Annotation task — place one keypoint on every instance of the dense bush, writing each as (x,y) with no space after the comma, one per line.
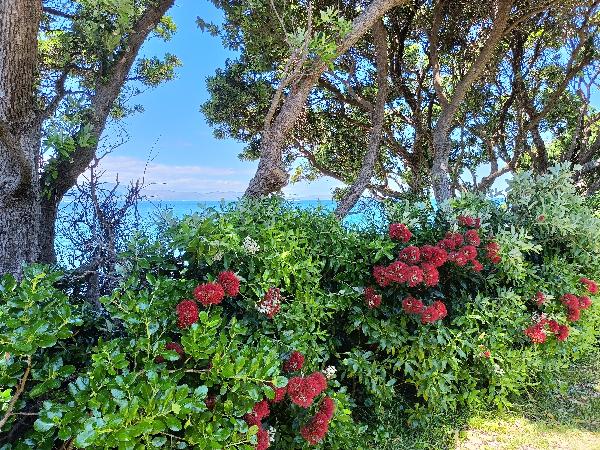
(266,325)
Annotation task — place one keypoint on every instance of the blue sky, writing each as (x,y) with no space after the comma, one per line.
(188,162)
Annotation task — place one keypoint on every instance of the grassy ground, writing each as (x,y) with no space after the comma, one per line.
(566,419)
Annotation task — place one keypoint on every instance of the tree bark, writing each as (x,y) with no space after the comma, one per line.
(271,175)
(20,133)
(441,133)
(377,118)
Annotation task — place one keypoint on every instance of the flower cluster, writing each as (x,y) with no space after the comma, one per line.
(329,372)
(436,311)
(255,417)
(314,431)
(538,331)
(230,283)
(294,363)
(207,294)
(400,232)
(372,299)
(303,390)
(574,305)
(251,246)
(591,285)
(467,221)
(493,252)
(270,304)
(539,298)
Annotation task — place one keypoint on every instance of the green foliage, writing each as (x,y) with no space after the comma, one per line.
(124,389)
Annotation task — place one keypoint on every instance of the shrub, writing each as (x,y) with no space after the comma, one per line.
(263,325)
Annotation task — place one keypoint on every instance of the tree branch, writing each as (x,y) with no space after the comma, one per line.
(17,394)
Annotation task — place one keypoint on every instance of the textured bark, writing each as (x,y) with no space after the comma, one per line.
(19,134)
(441,134)
(377,118)
(271,175)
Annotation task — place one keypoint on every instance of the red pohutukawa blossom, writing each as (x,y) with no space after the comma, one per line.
(591,285)
(279,393)
(187,313)
(437,311)
(563,333)
(472,238)
(230,283)
(294,363)
(209,293)
(585,302)
(410,255)
(536,333)
(487,354)
(380,275)
(314,431)
(400,232)
(262,439)
(574,315)
(396,272)
(493,250)
(435,256)
(372,299)
(431,276)
(303,390)
(412,305)
(553,326)
(260,410)
(467,221)
(458,258)
(469,252)
(570,301)
(414,276)
(539,298)
(477,266)
(270,303)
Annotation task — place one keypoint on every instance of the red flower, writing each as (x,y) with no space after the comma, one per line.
(210,401)
(441,308)
(434,255)
(294,362)
(467,221)
(230,283)
(397,272)
(262,439)
(270,303)
(469,252)
(187,313)
(400,232)
(414,275)
(412,305)
(536,333)
(495,259)
(380,275)
(570,301)
(302,391)
(487,354)
(541,218)
(574,315)
(472,238)
(458,258)
(457,238)
(317,428)
(171,346)
(493,249)
(431,276)
(591,285)
(553,326)
(539,298)
(477,266)
(585,302)
(209,293)
(563,333)
(410,255)
(279,393)
(435,312)
(372,299)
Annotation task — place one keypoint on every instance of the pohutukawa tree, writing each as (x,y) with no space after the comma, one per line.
(66,69)
(468,85)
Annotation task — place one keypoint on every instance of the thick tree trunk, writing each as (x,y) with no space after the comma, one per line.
(271,175)
(47,233)
(377,118)
(19,135)
(440,169)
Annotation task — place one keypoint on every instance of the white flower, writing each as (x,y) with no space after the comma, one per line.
(271,430)
(251,246)
(498,370)
(218,256)
(329,372)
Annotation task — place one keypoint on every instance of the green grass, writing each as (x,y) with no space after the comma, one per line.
(563,419)
(567,419)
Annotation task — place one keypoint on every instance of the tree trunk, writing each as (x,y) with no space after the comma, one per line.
(271,175)
(377,118)
(20,133)
(47,235)
(440,169)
